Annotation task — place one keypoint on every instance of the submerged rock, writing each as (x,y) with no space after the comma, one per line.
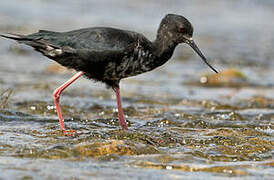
(228,77)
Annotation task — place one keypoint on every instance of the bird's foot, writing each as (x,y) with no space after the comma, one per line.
(124,126)
(69,132)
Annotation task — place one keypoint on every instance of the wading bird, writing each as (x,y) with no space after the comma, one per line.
(108,55)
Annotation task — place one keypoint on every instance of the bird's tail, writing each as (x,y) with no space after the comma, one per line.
(37,43)
(17,37)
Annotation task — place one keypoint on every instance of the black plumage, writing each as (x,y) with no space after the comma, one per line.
(107,54)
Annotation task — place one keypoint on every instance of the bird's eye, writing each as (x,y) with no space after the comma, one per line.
(181,30)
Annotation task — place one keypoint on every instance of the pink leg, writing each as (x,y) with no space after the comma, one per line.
(57,93)
(122,121)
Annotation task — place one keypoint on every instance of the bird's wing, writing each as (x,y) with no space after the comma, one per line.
(89,55)
(61,51)
(98,38)
(90,44)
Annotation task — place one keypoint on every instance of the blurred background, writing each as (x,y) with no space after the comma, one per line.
(182,100)
(232,34)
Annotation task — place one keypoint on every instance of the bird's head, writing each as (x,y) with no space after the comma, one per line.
(179,30)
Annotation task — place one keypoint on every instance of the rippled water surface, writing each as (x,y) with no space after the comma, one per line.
(184,121)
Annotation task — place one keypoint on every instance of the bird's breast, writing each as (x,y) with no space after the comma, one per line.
(133,63)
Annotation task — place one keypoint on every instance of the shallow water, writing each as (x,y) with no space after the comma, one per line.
(184,120)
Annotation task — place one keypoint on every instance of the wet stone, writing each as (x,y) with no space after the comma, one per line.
(228,77)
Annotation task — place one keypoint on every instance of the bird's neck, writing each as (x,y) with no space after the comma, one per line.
(163,48)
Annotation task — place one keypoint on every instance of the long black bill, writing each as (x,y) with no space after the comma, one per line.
(197,50)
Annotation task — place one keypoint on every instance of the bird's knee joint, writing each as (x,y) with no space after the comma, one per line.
(56,94)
